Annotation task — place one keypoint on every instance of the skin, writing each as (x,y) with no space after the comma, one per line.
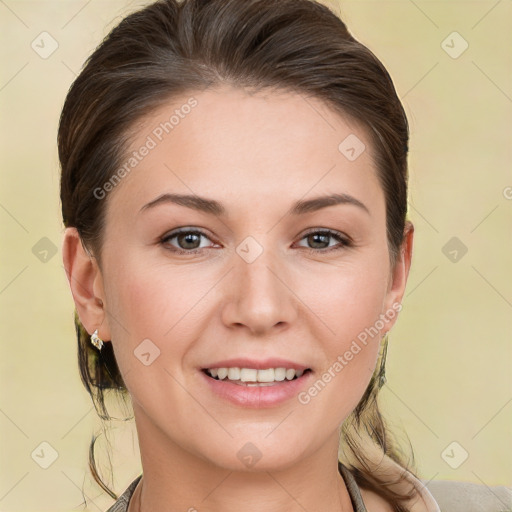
(256,154)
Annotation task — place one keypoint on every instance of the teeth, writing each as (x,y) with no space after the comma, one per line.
(249,375)
(263,375)
(279,374)
(234,373)
(252,375)
(222,373)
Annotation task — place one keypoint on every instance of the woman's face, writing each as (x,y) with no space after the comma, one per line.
(261,281)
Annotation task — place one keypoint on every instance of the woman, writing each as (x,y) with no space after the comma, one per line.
(234,191)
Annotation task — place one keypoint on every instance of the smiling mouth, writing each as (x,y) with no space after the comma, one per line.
(252,377)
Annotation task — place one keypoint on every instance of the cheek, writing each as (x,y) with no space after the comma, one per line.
(350,301)
(156,303)
(145,297)
(144,308)
(134,314)
(351,314)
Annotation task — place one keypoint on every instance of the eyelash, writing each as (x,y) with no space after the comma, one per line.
(345,242)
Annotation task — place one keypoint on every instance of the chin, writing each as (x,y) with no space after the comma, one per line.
(253,456)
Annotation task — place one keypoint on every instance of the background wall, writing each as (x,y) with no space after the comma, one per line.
(449,358)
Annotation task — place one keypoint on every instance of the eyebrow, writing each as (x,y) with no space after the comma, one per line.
(213,207)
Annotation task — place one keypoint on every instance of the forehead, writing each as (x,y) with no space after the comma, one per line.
(243,146)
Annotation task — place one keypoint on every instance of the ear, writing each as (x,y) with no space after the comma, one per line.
(398,277)
(86,283)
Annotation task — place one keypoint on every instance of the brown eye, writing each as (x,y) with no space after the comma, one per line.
(318,241)
(187,241)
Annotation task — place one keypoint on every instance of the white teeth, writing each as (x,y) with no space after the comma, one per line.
(290,374)
(234,373)
(266,375)
(248,375)
(222,373)
(279,374)
(252,375)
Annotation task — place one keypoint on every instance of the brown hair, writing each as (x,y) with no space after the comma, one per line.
(172,47)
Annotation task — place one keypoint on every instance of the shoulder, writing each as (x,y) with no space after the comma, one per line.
(457,496)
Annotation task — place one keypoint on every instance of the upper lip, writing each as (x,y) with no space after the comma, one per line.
(263,364)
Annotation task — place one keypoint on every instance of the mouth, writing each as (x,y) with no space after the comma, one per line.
(272,384)
(253,377)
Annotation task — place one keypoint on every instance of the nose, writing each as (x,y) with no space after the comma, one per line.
(260,297)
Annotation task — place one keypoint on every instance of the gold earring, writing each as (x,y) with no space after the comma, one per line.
(96,340)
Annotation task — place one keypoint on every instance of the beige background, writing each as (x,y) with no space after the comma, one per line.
(449,359)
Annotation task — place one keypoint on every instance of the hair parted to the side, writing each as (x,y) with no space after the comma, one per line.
(171,48)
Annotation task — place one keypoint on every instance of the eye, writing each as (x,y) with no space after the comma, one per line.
(321,237)
(187,240)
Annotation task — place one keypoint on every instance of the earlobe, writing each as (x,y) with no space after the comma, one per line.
(84,276)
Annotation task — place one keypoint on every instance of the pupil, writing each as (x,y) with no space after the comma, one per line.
(187,237)
(317,235)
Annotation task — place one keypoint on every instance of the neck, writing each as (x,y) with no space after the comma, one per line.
(174,479)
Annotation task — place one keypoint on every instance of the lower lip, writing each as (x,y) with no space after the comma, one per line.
(258,396)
